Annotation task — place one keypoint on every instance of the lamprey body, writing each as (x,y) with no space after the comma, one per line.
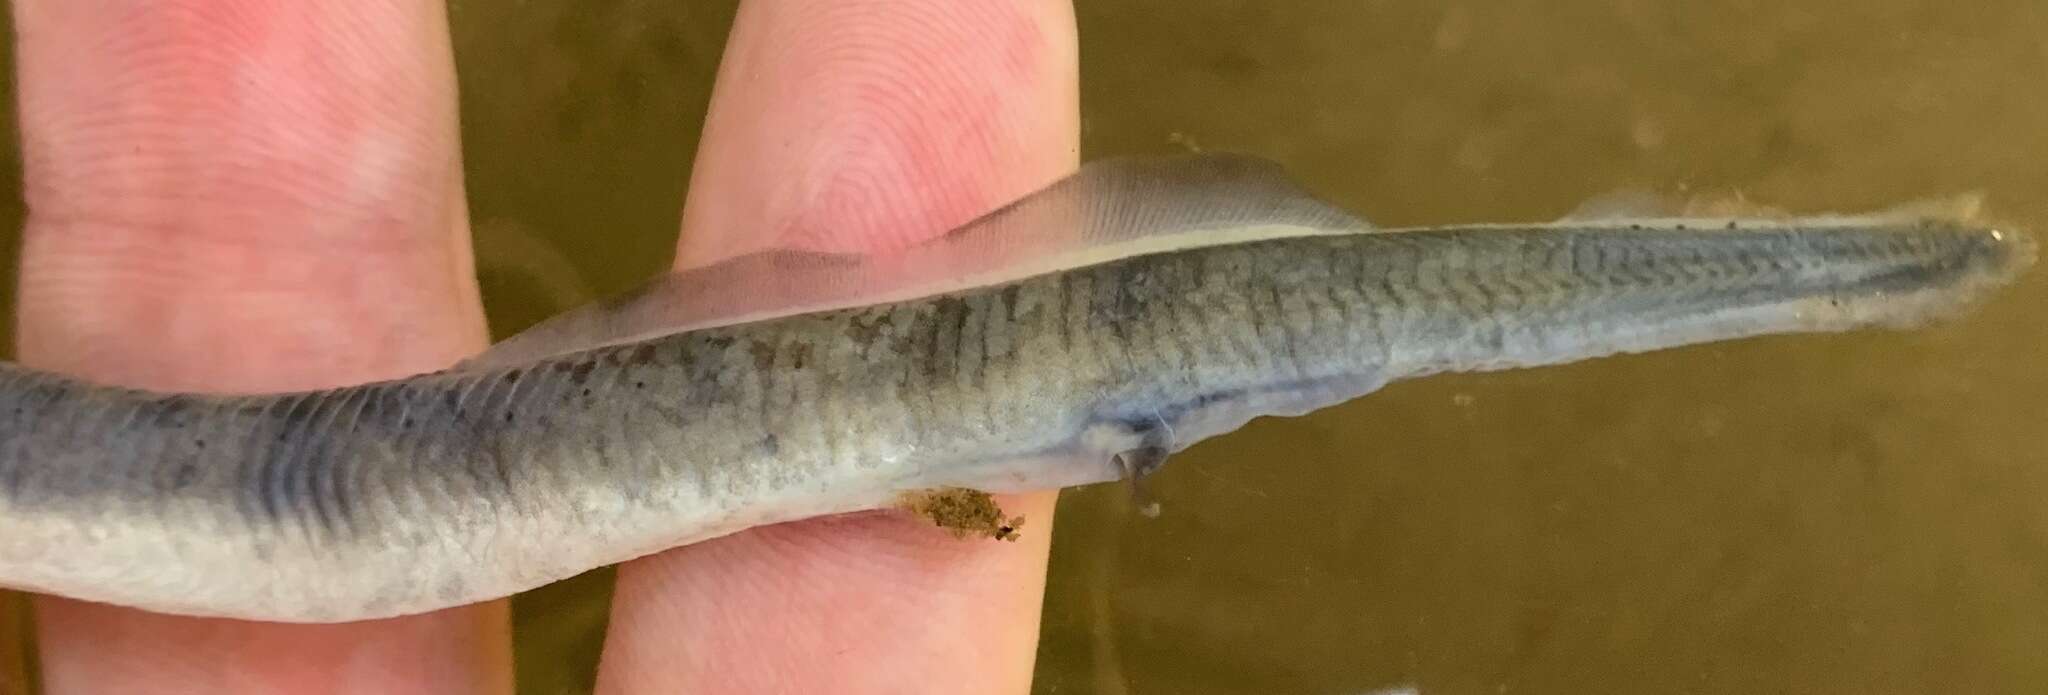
(1078,336)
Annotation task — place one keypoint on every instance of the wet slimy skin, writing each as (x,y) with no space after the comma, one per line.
(1078,336)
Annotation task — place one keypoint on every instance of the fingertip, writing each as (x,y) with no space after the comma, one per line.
(870,602)
(242,195)
(861,125)
(183,654)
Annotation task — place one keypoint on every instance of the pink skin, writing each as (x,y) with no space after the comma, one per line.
(255,195)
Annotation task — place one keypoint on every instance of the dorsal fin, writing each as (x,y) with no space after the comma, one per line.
(1110,209)
(1636,205)
(1626,203)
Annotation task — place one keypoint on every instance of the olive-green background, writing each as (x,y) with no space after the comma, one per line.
(1863,513)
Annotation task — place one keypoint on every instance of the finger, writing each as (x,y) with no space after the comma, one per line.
(845,125)
(853,125)
(246,195)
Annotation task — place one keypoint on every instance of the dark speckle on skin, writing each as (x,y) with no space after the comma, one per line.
(631,356)
(763,352)
(185,473)
(1009,300)
(53,395)
(298,416)
(952,311)
(170,409)
(579,372)
(865,329)
(949,319)
(799,354)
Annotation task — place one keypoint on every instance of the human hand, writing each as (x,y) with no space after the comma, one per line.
(264,195)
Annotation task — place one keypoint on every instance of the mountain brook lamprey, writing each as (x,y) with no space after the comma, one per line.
(1079,335)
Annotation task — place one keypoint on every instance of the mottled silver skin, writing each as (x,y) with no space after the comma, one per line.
(449,488)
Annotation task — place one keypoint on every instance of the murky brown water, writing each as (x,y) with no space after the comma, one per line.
(1862,513)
